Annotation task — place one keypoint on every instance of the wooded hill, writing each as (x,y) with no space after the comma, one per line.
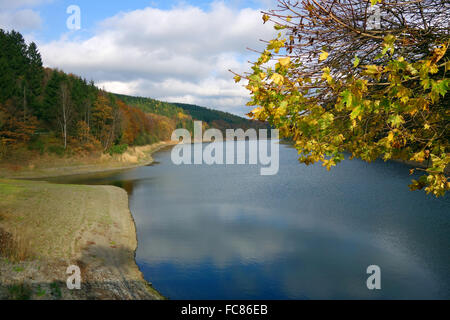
(219,119)
(212,118)
(48,111)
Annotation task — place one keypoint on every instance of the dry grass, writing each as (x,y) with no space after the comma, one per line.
(38,218)
(15,247)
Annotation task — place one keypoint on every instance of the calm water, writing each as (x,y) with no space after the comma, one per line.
(225,232)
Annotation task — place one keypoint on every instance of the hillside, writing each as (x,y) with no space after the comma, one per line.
(150,105)
(45,111)
(219,119)
(213,118)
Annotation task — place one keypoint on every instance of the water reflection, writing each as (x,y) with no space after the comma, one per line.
(220,232)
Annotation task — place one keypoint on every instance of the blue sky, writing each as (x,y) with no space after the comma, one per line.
(54,13)
(176,51)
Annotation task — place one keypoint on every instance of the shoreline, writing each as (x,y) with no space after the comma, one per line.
(103,245)
(141,156)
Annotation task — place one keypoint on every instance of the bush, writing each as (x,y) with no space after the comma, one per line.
(145,139)
(37,145)
(59,150)
(118,149)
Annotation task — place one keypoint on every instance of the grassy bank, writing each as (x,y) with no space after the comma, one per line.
(44,228)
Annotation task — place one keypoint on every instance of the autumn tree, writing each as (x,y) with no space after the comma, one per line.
(16,128)
(106,119)
(101,118)
(334,82)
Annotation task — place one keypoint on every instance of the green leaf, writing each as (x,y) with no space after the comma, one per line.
(356,112)
(441,86)
(356,62)
(347,98)
(396,120)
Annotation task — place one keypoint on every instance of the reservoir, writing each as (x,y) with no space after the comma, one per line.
(227,232)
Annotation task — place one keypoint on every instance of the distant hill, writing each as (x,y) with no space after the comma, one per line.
(213,118)
(150,105)
(210,115)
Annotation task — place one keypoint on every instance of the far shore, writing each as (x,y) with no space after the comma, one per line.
(134,157)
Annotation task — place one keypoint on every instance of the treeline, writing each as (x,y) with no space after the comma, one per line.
(152,106)
(50,111)
(180,118)
(180,112)
(219,119)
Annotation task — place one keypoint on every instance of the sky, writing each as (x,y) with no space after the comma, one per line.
(176,51)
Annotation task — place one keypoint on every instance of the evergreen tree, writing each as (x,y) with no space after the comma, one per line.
(34,77)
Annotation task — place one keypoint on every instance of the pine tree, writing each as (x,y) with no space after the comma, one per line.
(34,77)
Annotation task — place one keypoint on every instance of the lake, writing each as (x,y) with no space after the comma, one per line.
(226,232)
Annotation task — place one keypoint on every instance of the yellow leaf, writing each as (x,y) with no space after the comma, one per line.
(323,56)
(277,78)
(439,53)
(265,18)
(391,136)
(373,69)
(255,112)
(326,74)
(284,61)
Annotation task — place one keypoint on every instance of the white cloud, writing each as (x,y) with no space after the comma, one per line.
(180,54)
(21,20)
(13,4)
(18,15)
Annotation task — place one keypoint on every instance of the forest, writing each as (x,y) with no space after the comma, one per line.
(45,110)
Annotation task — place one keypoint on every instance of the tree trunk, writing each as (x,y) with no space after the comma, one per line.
(24,102)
